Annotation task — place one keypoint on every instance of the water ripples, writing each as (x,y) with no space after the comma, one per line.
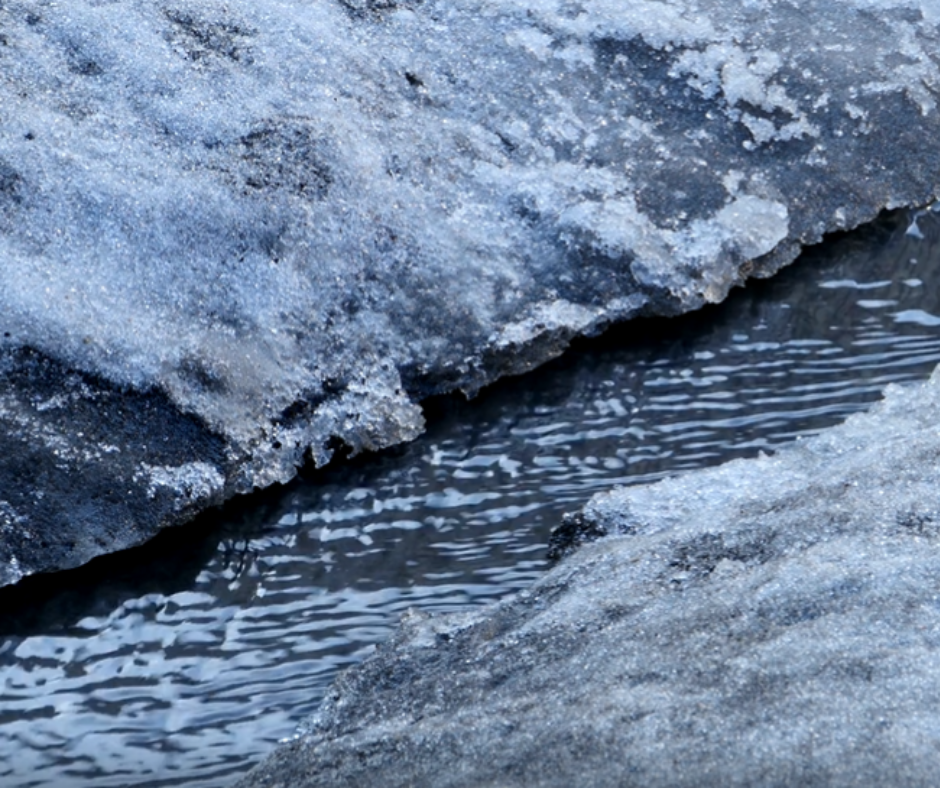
(181,663)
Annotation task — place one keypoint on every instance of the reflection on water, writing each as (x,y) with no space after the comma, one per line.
(183,662)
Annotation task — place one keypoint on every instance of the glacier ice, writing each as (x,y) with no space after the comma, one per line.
(285,222)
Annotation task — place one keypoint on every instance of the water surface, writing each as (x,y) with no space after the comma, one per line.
(183,662)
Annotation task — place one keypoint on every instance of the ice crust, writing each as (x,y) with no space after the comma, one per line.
(289,221)
(773,621)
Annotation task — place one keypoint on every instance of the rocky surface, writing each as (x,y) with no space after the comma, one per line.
(236,236)
(772,621)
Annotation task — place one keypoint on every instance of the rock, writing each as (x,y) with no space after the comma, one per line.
(236,236)
(773,621)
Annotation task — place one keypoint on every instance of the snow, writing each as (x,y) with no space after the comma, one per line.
(294,219)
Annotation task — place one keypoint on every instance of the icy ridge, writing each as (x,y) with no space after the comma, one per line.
(293,220)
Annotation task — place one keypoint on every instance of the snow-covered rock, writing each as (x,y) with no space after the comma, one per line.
(236,235)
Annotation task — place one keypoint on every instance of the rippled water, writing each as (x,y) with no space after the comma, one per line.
(183,662)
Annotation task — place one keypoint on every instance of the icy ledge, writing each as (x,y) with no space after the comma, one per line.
(235,235)
(773,621)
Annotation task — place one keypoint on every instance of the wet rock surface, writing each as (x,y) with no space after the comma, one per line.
(769,622)
(234,237)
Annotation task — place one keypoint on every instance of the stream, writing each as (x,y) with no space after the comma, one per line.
(183,662)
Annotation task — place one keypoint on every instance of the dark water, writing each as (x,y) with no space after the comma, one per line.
(184,662)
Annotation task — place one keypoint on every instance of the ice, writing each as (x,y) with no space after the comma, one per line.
(290,222)
(750,624)
(191,480)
